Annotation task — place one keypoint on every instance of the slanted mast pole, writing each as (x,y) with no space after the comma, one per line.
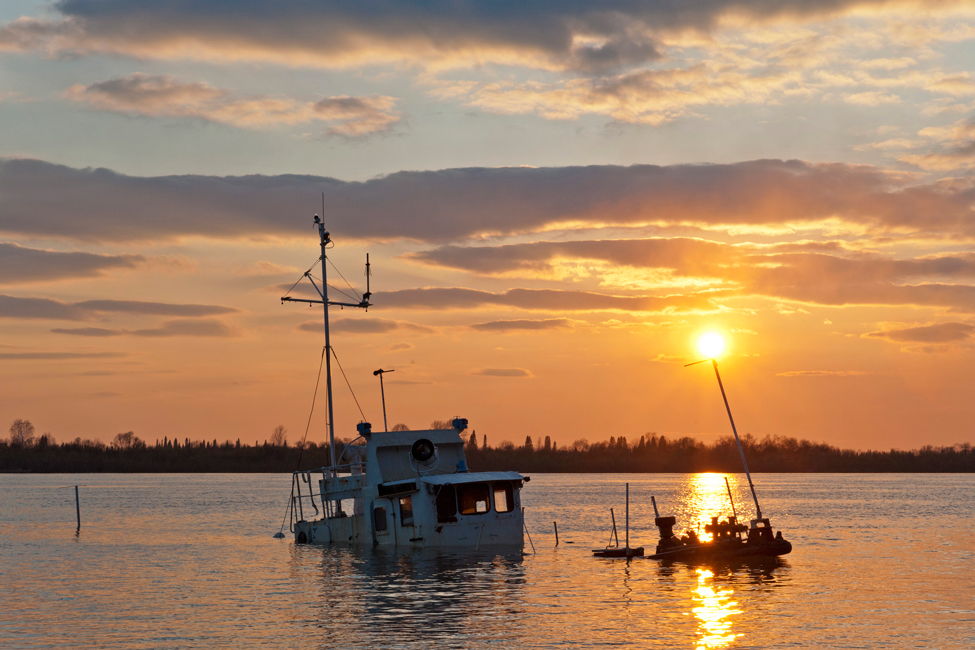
(328,343)
(734,430)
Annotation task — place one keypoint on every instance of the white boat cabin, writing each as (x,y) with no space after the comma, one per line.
(408,488)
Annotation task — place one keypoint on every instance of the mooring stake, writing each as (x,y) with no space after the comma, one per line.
(77,506)
(556,524)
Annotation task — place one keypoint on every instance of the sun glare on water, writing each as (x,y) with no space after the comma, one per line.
(711,345)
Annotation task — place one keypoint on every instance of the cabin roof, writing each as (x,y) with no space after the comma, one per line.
(472,477)
(407,438)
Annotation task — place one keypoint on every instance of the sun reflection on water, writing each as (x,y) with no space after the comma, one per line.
(714,611)
(706,497)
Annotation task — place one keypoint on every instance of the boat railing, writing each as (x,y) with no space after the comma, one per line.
(337,482)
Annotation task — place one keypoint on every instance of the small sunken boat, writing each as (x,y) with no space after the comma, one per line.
(729,539)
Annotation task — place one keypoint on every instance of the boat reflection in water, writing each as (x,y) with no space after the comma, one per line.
(417,597)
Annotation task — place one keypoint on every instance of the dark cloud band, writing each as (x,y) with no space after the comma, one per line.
(19,264)
(572,34)
(453,204)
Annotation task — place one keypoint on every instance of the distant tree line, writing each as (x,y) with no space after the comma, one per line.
(655,453)
(23,451)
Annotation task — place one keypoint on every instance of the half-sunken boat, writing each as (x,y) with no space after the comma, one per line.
(729,539)
(400,488)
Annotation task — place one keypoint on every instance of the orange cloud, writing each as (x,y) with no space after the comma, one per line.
(939,333)
(523,325)
(821,373)
(503,372)
(207,327)
(366,326)
(537,300)
(816,272)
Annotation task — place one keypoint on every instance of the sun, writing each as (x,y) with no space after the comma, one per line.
(711,345)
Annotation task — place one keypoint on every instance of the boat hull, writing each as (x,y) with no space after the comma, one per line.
(489,529)
(698,552)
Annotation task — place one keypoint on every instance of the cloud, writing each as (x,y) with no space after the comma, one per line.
(19,264)
(955,151)
(58,356)
(872,98)
(571,35)
(800,274)
(366,326)
(502,372)
(179,327)
(358,116)
(940,333)
(568,35)
(536,300)
(670,358)
(264,269)
(546,324)
(87,331)
(542,258)
(183,327)
(821,373)
(164,96)
(445,205)
(639,97)
(47,308)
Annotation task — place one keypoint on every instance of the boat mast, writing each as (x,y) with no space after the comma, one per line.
(741,452)
(734,430)
(325,302)
(328,343)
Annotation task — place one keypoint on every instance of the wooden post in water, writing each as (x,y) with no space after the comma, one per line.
(556,524)
(77,506)
(627,518)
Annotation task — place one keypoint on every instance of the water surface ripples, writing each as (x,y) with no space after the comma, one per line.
(187,561)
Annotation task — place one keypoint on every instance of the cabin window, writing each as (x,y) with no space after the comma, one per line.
(504,498)
(446,504)
(379,519)
(473,498)
(406,511)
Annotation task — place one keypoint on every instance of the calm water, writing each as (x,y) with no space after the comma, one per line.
(188,561)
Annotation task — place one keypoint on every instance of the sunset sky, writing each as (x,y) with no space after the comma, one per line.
(557,198)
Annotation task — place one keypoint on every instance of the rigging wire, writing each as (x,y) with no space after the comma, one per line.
(343,277)
(301,451)
(303,275)
(348,384)
(336,289)
(357,298)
